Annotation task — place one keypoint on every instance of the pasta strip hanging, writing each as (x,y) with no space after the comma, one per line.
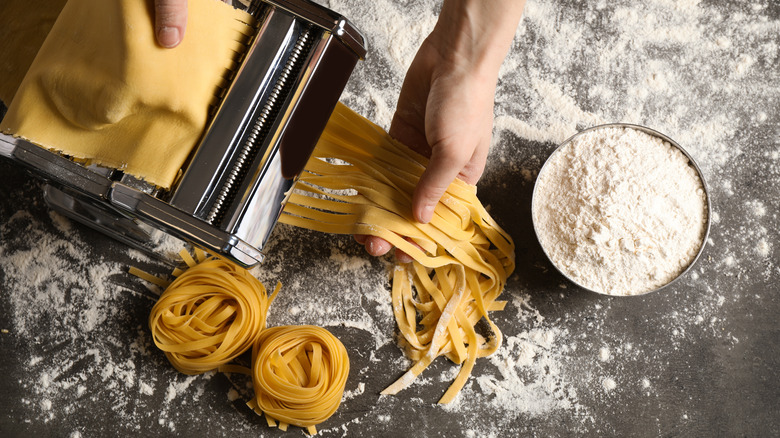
(360,181)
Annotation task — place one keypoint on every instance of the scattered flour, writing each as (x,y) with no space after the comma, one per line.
(528,377)
(350,394)
(65,294)
(763,248)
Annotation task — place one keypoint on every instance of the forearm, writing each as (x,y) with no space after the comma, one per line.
(476,34)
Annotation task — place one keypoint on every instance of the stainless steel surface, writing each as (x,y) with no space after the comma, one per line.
(61,170)
(328,20)
(179,224)
(266,200)
(7,145)
(113,222)
(255,142)
(651,132)
(214,157)
(138,184)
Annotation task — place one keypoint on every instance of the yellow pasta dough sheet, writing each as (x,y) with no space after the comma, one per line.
(101,88)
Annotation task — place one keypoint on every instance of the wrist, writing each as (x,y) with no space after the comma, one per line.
(476,34)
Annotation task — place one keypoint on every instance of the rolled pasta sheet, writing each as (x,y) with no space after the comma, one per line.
(361,181)
(299,374)
(210,314)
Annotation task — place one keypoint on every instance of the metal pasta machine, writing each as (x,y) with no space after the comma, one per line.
(235,183)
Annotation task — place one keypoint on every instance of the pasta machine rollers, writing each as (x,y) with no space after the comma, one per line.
(234,185)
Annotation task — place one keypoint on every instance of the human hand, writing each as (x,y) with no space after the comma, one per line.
(170,21)
(445,112)
(445,109)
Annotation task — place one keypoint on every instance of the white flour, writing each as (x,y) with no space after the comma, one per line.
(620,211)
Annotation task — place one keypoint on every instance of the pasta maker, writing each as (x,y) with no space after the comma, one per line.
(235,183)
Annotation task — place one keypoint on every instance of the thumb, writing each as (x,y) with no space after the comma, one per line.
(170,21)
(443,168)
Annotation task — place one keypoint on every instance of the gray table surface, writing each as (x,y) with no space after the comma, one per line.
(701,358)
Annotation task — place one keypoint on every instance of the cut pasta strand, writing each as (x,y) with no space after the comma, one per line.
(360,181)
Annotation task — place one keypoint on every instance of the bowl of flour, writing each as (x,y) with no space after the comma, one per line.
(621,209)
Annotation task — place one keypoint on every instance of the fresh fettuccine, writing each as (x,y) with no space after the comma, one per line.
(360,181)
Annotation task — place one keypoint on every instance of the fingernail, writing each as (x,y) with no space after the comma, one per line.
(168,37)
(426,214)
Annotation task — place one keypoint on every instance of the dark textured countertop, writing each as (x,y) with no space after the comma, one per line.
(701,358)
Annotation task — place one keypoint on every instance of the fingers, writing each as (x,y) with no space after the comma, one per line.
(403,257)
(447,163)
(170,21)
(375,246)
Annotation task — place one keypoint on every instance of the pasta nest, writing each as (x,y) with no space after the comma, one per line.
(212,313)
(299,374)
